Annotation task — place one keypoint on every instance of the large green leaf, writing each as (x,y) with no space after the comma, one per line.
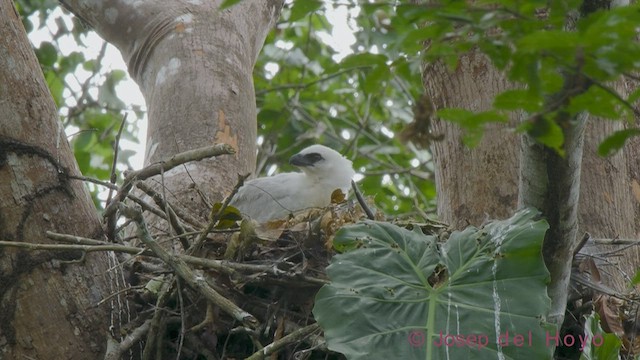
(398,293)
(595,343)
(616,141)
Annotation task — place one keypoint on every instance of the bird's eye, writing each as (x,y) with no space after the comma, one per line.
(313,157)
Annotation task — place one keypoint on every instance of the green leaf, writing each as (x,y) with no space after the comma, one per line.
(598,345)
(47,54)
(472,123)
(56,87)
(634,96)
(597,102)
(557,40)
(107,92)
(84,141)
(229,217)
(70,62)
(616,141)
(302,8)
(518,99)
(459,116)
(228,3)
(547,132)
(376,79)
(399,291)
(636,278)
(364,59)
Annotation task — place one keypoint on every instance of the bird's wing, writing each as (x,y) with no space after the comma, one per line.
(269,198)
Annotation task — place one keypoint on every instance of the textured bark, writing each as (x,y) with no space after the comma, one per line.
(610,202)
(473,185)
(480,183)
(194,65)
(551,184)
(47,307)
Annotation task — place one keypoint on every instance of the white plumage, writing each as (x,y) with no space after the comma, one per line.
(268,198)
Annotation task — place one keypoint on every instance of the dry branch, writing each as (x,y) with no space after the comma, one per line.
(115,350)
(222,266)
(215,217)
(183,270)
(62,247)
(157,169)
(294,337)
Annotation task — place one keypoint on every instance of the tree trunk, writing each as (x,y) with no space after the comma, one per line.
(473,185)
(481,183)
(194,64)
(47,307)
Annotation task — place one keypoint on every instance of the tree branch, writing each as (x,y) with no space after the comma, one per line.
(295,337)
(157,169)
(181,268)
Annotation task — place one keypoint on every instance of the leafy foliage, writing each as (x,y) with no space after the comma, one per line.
(397,293)
(357,100)
(354,102)
(559,72)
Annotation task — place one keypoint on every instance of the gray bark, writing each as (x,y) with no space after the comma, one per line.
(551,184)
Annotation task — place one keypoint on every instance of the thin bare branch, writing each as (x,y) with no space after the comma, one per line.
(115,350)
(295,337)
(215,217)
(116,149)
(361,201)
(156,169)
(197,282)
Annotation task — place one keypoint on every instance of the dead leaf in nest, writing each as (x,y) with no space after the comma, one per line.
(608,307)
(271,230)
(313,226)
(589,266)
(241,241)
(338,197)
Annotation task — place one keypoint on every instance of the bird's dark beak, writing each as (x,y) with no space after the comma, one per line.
(300,160)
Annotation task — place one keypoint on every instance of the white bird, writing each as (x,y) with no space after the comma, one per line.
(275,197)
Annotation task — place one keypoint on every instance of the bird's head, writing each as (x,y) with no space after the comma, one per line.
(324,164)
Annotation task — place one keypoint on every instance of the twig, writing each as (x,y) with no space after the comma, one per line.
(115,350)
(616,96)
(106,184)
(76,239)
(311,83)
(162,203)
(179,159)
(361,201)
(116,149)
(184,215)
(215,217)
(156,169)
(183,270)
(145,206)
(222,266)
(157,319)
(581,243)
(616,241)
(208,319)
(118,293)
(64,247)
(295,337)
(182,319)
